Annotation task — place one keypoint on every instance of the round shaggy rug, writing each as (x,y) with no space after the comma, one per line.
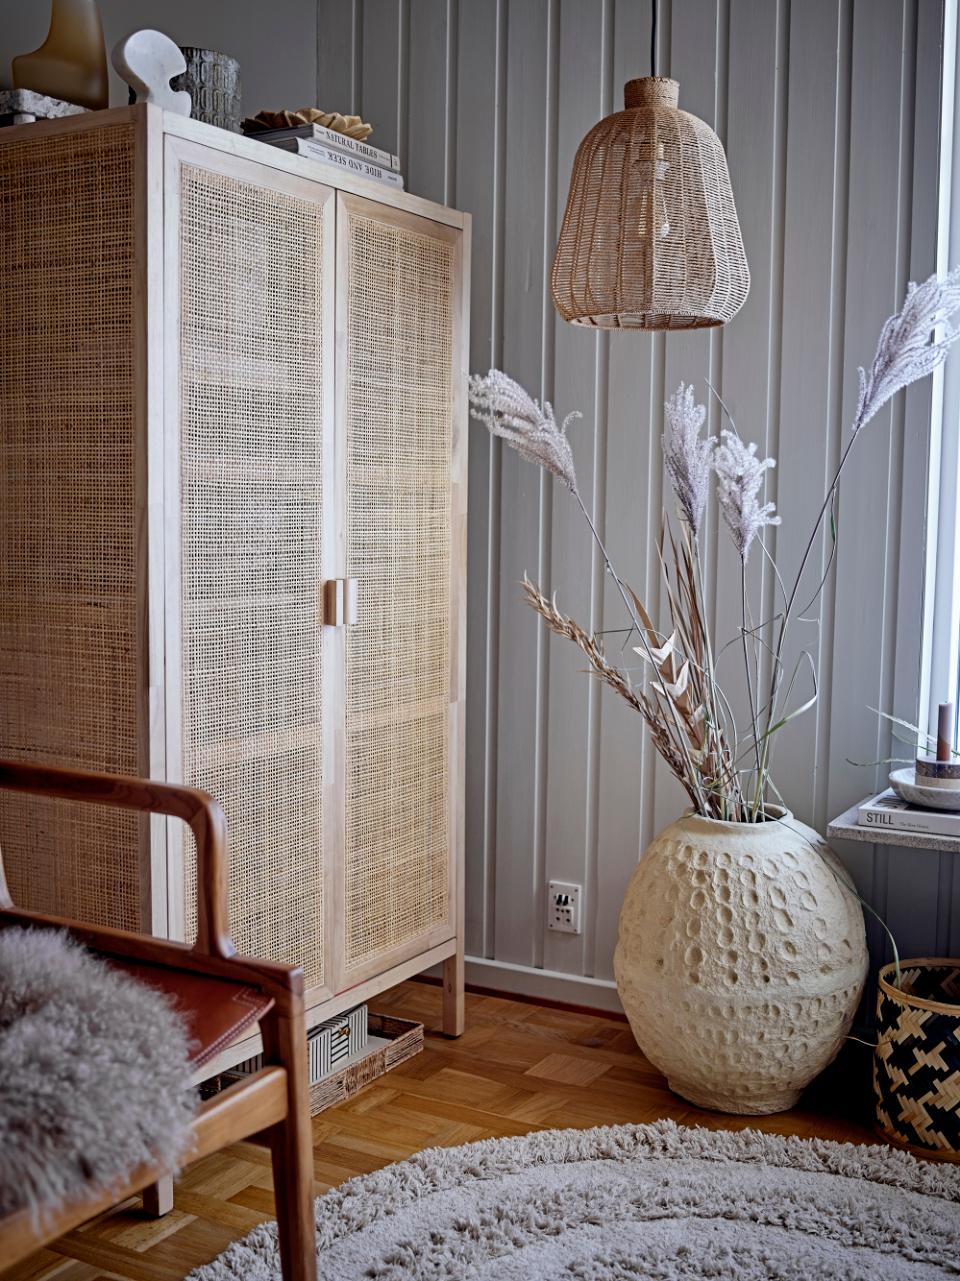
(630,1202)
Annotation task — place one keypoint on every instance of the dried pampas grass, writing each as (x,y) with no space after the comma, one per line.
(725,773)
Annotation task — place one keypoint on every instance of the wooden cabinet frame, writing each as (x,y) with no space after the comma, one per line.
(164,144)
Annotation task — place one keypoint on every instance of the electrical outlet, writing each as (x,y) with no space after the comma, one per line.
(563,907)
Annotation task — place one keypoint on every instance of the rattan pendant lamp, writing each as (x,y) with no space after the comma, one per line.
(650,237)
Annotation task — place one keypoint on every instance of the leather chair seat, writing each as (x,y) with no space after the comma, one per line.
(215,1010)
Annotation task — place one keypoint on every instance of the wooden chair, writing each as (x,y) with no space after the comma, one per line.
(220,994)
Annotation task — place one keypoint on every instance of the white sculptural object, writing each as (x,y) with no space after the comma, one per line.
(148,60)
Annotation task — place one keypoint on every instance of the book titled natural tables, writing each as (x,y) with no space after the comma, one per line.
(338,149)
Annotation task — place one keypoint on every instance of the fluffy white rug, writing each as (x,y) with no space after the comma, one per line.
(94,1073)
(630,1202)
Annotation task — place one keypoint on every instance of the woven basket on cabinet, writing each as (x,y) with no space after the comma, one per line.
(916,1065)
(650,237)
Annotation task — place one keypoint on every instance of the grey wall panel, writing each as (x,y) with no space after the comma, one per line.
(433,113)
(384,68)
(338,57)
(525,498)
(574,369)
(865,585)
(276,45)
(695,52)
(811,379)
(829,112)
(750,350)
(478,181)
(629,385)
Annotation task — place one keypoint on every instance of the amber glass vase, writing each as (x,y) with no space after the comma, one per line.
(72,62)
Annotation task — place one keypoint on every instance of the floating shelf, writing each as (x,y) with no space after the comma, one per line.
(847,828)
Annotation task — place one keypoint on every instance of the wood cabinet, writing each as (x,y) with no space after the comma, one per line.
(233,386)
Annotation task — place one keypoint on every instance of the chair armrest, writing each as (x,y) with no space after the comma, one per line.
(200,811)
(285,983)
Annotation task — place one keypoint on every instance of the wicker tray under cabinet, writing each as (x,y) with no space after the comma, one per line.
(404,1040)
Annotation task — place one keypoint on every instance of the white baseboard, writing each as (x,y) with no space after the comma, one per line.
(551,985)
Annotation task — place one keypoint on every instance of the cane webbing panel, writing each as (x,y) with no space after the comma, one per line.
(398,408)
(68,616)
(251,429)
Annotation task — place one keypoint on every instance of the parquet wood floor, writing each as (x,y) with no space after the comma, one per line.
(519,1067)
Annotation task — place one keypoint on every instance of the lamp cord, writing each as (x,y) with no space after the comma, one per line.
(653,41)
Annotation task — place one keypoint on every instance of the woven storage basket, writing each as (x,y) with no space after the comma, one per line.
(650,237)
(916,1065)
(405,1040)
(402,1040)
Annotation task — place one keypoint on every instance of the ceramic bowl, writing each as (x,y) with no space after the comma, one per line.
(904,783)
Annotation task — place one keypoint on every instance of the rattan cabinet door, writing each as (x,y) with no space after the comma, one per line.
(399,298)
(249,276)
(71,536)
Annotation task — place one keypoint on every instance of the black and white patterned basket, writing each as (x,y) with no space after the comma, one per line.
(916,1065)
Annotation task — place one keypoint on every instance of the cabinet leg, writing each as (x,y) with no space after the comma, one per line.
(158,1198)
(453,999)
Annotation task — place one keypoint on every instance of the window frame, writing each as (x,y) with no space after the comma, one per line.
(940,666)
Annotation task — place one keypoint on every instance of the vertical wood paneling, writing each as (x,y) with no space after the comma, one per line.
(814,256)
(829,111)
(338,44)
(545,552)
(698,60)
(915,894)
(276,47)
(575,385)
(632,502)
(921,157)
(521,672)
(888,870)
(751,348)
(381,68)
(836,383)
(478,149)
(911,894)
(425,166)
(873,287)
(945,906)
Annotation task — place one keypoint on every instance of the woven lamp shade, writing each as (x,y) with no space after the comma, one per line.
(650,237)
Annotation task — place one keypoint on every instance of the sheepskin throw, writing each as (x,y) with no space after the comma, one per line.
(631,1202)
(94,1073)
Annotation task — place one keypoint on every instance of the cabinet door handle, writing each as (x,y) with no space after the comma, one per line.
(340,602)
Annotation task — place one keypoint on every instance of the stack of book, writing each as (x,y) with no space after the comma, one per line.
(888,811)
(337,150)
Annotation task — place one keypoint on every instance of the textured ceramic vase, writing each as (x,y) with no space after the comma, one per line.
(213,82)
(741,960)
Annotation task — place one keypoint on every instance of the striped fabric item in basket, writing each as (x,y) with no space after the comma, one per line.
(916,1065)
(334,1041)
(329,1045)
